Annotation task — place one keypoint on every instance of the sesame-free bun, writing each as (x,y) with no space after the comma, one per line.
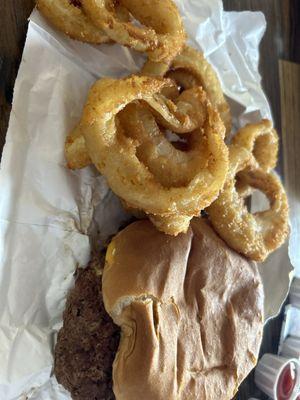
(191,313)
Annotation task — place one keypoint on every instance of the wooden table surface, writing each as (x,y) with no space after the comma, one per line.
(282,40)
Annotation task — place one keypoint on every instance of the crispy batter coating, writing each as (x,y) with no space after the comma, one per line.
(69,18)
(261,139)
(190,69)
(254,235)
(160,32)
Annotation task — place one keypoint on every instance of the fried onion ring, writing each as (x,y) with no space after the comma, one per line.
(253,235)
(161,36)
(262,141)
(115,153)
(190,69)
(181,116)
(68,17)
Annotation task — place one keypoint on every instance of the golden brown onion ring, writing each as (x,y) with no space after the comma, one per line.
(180,116)
(68,17)
(262,141)
(190,69)
(114,153)
(161,36)
(254,235)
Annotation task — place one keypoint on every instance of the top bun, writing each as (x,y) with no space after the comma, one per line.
(191,313)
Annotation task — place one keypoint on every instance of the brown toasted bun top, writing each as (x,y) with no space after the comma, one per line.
(191,312)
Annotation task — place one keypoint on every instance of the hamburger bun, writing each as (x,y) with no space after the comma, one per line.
(190,311)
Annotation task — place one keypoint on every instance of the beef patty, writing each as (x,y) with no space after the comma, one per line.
(88,341)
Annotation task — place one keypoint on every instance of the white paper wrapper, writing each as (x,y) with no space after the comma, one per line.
(291,324)
(46,210)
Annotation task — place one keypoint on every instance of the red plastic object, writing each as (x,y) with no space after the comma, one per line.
(286,382)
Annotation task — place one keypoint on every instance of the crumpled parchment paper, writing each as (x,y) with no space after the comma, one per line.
(46,211)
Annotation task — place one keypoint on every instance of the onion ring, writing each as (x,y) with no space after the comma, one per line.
(161,36)
(190,69)
(115,154)
(262,141)
(68,17)
(182,119)
(254,235)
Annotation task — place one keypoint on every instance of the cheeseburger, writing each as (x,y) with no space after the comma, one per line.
(167,318)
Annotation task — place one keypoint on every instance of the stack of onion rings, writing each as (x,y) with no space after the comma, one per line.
(134,164)
(254,235)
(168,171)
(125,125)
(191,69)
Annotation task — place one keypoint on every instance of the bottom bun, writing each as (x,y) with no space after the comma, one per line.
(191,313)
